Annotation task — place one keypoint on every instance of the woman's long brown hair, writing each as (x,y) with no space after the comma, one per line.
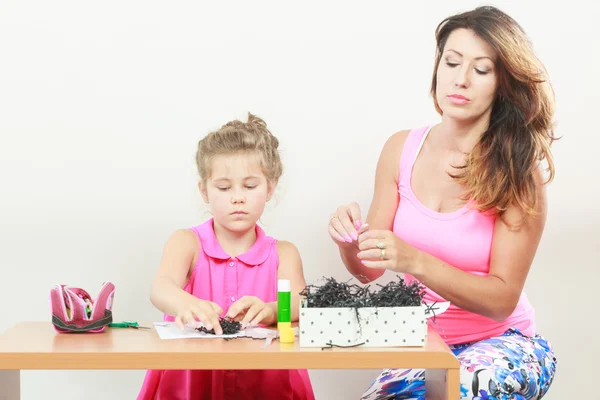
(500,171)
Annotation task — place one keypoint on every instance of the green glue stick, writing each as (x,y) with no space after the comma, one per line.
(284,304)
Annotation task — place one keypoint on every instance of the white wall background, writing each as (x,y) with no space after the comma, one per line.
(102,104)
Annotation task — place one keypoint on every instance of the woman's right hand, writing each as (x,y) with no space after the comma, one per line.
(204,311)
(345,224)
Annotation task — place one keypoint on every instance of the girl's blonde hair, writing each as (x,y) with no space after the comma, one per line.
(236,136)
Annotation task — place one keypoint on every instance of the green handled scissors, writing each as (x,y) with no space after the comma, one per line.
(127,324)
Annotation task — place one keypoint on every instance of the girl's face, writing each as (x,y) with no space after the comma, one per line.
(466,77)
(237,190)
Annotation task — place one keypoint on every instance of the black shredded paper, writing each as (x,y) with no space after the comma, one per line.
(229,327)
(342,294)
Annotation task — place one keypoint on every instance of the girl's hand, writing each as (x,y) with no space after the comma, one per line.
(345,224)
(204,311)
(384,249)
(251,311)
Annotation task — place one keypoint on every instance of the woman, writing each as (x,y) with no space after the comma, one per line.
(461,205)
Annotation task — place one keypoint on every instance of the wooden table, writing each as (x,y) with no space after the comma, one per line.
(36,346)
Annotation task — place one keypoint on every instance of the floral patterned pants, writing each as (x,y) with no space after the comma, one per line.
(509,367)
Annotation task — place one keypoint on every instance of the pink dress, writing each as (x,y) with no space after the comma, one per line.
(223,279)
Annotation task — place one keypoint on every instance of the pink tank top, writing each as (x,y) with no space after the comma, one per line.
(463,239)
(223,279)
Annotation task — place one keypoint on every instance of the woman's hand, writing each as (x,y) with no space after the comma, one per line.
(251,311)
(345,224)
(204,311)
(383,249)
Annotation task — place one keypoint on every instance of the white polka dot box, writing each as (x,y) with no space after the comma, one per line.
(366,326)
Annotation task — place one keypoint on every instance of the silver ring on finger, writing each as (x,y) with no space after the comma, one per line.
(380,245)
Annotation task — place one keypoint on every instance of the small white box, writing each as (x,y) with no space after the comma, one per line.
(367,326)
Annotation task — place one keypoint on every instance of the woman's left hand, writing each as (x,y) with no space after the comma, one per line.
(384,249)
(251,311)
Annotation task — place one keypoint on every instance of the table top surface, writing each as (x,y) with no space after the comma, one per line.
(36,345)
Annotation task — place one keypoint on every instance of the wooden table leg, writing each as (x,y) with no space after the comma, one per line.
(442,384)
(10,384)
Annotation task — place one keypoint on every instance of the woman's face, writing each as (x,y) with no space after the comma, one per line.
(467,80)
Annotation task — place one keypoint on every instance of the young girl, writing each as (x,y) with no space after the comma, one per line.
(229,267)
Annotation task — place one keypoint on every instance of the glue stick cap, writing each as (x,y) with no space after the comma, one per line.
(284,325)
(283,285)
(287,335)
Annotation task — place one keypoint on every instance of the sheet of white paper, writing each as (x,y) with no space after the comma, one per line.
(260,333)
(169,330)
